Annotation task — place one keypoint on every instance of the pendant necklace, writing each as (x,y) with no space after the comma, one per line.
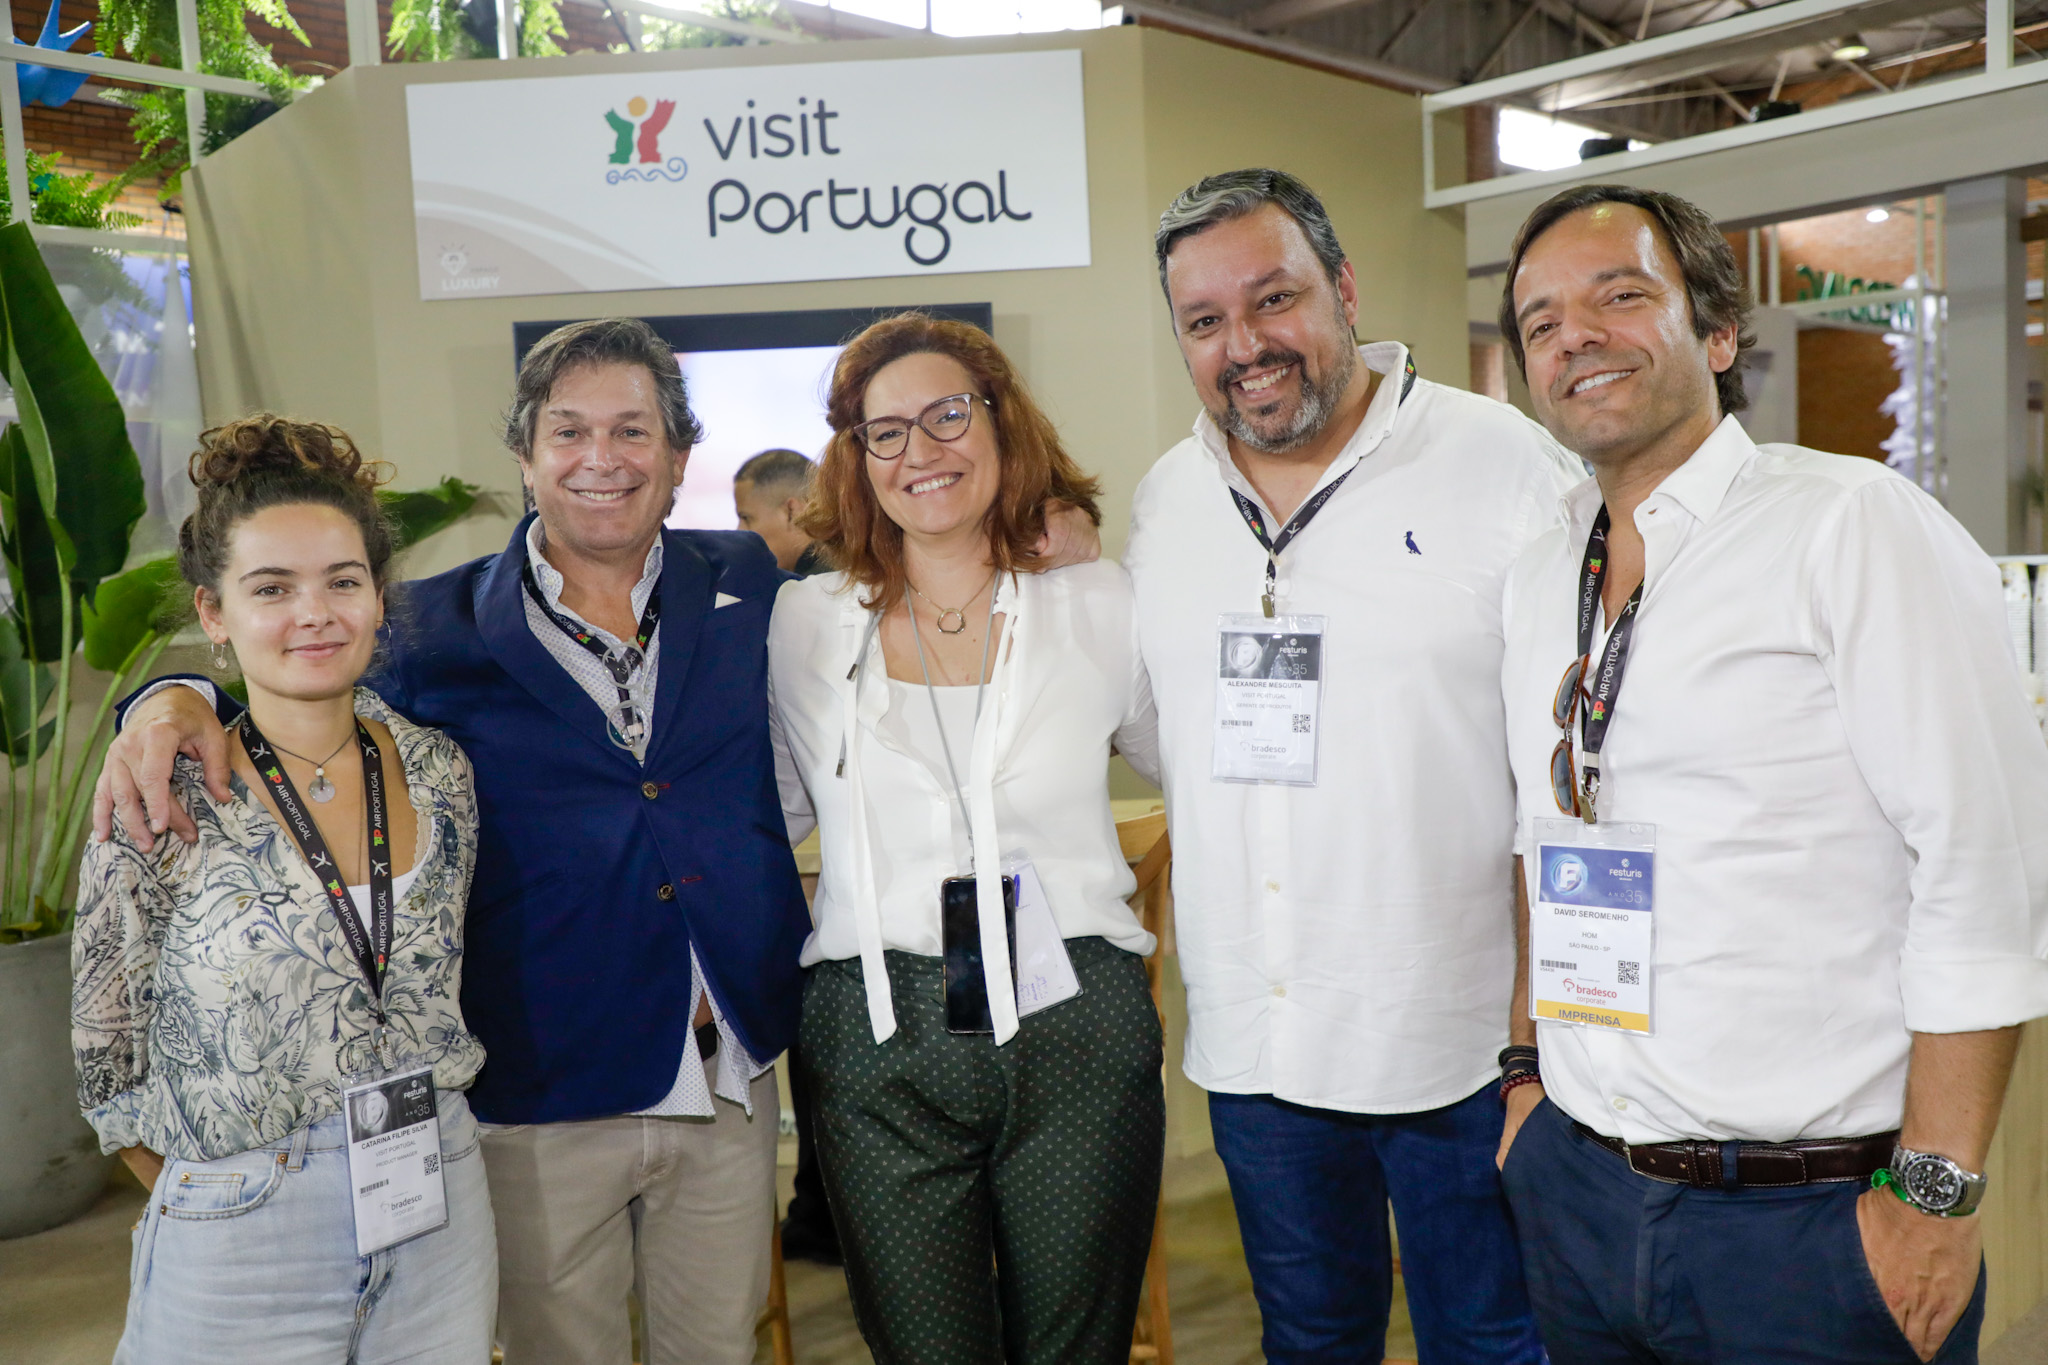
(959,613)
(321,789)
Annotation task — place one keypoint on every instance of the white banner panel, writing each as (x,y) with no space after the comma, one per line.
(752,175)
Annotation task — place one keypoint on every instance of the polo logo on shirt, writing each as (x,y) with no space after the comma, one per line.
(1409,537)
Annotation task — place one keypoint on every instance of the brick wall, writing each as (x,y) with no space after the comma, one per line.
(1843,376)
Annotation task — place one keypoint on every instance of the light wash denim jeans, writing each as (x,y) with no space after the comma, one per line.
(251,1260)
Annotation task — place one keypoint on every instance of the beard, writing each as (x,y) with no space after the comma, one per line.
(1267,429)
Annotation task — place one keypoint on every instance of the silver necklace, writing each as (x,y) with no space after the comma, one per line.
(321,789)
(959,613)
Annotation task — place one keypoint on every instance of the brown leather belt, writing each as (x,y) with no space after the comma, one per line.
(1754,1165)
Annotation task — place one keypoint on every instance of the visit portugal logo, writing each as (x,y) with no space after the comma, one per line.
(639,132)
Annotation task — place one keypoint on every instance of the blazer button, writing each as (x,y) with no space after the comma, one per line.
(667,892)
(649,790)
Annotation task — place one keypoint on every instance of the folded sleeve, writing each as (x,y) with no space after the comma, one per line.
(1910,621)
(115,946)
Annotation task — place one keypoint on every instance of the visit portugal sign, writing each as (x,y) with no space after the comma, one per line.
(749,175)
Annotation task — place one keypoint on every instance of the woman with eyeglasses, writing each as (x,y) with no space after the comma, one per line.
(983,1050)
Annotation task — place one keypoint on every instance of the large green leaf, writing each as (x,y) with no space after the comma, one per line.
(73,428)
(15,675)
(126,609)
(421,513)
(33,566)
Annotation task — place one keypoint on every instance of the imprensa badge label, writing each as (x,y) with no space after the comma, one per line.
(1592,920)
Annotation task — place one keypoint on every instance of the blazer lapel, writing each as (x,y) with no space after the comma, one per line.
(501,619)
(686,597)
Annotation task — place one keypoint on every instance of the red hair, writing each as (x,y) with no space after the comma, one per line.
(846,521)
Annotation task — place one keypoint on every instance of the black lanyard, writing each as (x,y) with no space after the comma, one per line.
(372,947)
(1304,514)
(629,729)
(1603,686)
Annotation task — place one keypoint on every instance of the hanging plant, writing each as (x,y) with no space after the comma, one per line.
(147,31)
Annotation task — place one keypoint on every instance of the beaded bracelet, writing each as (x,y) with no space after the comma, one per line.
(1515,1078)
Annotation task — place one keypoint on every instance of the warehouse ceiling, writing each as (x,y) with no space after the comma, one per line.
(1457,42)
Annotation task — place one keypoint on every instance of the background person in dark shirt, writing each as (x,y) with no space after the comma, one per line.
(769,493)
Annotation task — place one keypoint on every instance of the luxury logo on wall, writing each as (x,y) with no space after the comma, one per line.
(825,170)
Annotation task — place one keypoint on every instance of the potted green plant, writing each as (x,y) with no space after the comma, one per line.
(71,493)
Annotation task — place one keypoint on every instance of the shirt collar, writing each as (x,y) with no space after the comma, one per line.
(550,578)
(1387,359)
(1700,485)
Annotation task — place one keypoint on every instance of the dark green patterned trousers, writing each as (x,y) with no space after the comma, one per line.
(994,1203)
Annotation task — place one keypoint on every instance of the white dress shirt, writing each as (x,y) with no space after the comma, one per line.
(1349,945)
(1822,717)
(1064,682)
(736,1070)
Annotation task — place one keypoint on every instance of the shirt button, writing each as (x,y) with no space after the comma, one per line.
(649,790)
(1280,992)
(1272,888)
(666,892)
(1621,1104)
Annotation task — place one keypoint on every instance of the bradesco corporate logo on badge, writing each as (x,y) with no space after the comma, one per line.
(1592,927)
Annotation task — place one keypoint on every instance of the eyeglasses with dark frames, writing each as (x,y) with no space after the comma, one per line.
(945,419)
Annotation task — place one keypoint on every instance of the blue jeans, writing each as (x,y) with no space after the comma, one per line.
(1626,1270)
(251,1260)
(1312,1187)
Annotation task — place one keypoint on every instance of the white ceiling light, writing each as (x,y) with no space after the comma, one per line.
(1851,49)
(1877,215)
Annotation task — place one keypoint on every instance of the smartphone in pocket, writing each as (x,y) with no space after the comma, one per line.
(960,939)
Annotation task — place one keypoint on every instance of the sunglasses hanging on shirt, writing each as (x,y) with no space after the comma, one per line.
(628,728)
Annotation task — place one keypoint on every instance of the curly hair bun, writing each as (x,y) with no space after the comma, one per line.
(265,442)
(265,461)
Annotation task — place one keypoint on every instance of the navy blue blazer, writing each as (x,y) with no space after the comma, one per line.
(596,875)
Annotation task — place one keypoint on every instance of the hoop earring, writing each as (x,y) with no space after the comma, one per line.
(220,656)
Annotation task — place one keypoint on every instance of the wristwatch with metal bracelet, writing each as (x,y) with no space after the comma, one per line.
(1932,1184)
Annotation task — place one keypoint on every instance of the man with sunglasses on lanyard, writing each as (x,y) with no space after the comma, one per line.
(1784,821)
(1318,573)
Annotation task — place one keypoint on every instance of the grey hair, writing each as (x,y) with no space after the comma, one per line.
(1232,194)
(600,341)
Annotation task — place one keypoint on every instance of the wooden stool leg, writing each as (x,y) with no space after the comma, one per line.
(778,1304)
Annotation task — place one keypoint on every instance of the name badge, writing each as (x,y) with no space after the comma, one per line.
(1592,899)
(394,1159)
(1269,694)
(1045,973)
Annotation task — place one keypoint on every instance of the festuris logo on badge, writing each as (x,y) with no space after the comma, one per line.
(1567,874)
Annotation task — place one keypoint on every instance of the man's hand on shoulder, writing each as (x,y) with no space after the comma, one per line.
(1924,1265)
(1071,536)
(135,780)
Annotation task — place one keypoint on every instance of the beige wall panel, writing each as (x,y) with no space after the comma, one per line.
(278,244)
(2016,1206)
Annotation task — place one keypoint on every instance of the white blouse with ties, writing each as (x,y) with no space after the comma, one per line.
(1066,681)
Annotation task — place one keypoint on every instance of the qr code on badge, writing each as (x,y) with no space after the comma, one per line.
(1627,973)
(1300,723)
(433,1162)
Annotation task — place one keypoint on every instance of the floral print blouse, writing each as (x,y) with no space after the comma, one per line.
(215,1005)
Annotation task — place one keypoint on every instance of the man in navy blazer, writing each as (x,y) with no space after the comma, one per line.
(636,917)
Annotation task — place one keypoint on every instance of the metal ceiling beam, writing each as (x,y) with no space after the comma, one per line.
(1627,67)
(1287,13)
(1200,25)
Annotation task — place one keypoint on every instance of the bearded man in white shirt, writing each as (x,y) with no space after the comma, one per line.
(1335,767)
(1785,819)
